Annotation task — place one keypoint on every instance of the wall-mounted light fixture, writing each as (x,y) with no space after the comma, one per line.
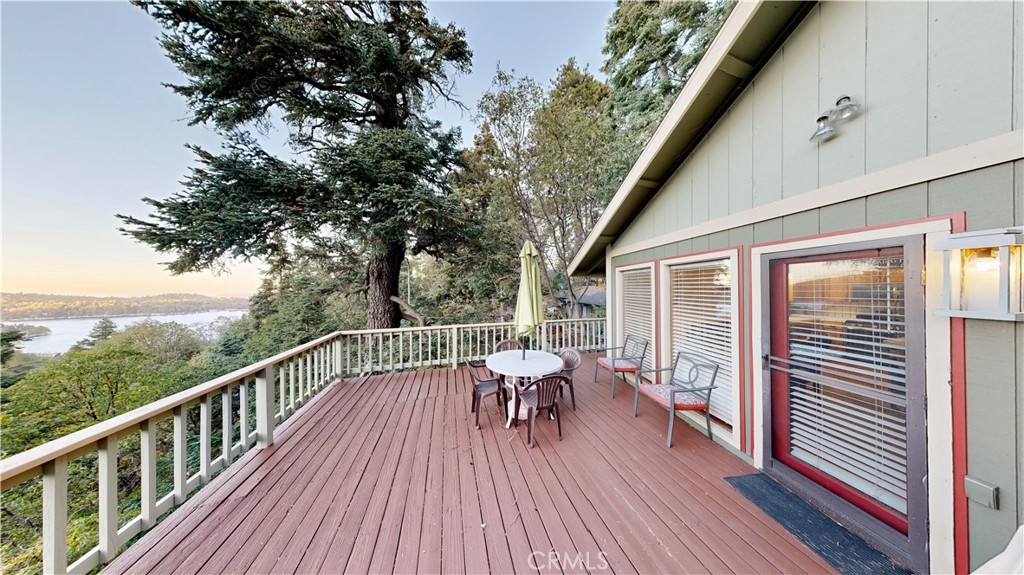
(825,131)
(983,275)
(845,109)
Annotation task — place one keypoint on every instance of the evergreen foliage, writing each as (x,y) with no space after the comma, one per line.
(349,80)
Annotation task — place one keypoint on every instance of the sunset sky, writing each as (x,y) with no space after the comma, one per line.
(88,131)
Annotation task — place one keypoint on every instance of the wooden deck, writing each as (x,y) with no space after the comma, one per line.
(387,474)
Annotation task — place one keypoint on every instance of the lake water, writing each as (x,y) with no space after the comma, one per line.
(65,332)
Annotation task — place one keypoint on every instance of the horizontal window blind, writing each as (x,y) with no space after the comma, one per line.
(638,309)
(847,373)
(700,296)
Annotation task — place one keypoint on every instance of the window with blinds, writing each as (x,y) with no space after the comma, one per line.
(638,309)
(846,335)
(702,323)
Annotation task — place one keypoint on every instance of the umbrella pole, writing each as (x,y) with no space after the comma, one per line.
(523,341)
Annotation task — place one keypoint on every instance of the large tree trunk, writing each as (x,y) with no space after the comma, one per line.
(382,275)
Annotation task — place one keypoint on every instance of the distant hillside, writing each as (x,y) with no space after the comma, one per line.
(29,306)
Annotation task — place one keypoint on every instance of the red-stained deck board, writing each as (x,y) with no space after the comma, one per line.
(388,474)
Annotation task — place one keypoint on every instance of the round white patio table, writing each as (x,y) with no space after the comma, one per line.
(512,364)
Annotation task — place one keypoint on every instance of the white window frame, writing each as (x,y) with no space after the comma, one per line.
(938,369)
(730,436)
(620,307)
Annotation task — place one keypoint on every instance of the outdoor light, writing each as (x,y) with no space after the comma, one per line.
(825,132)
(845,108)
(984,275)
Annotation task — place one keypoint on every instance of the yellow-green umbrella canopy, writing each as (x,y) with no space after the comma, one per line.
(529,306)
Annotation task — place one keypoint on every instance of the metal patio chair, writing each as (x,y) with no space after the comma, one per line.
(688,389)
(485,383)
(630,360)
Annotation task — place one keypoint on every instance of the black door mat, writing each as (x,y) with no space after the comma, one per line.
(834,543)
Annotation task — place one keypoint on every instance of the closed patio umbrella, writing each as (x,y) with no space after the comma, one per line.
(529,307)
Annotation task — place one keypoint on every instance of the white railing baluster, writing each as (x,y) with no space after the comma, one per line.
(55,516)
(108,498)
(180,455)
(147,443)
(265,408)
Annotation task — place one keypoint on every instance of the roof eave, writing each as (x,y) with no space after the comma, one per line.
(748,38)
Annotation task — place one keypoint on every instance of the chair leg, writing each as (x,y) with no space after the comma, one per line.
(558,420)
(572,395)
(707,422)
(671,425)
(529,427)
(515,411)
(636,400)
(472,404)
(597,368)
(478,414)
(613,384)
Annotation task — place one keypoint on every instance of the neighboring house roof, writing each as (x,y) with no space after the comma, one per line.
(747,40)
(593,296)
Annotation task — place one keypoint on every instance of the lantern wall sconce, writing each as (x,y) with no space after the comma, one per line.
(845,109)
(983,275)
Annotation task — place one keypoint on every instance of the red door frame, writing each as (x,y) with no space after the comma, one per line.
(779,306)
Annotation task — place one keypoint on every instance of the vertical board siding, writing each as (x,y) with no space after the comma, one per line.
(895,113)
(1018,65)
(800,107)
(907,203)
(767,132)
(683,184)
(718,174)
(922,87)
(970,83)
(991,442)
(700,192)
(986,195)
(741,153)
(800,225)
(843,216)
(842,72)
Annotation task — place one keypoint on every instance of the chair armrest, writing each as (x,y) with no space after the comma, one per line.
(609,348)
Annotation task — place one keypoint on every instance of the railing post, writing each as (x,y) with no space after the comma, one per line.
(55,516)
(226,425)
(108,498)
(337,358)
(180,455)
(243,414)
(544,336)
(453,347)
(265,408)
(205,433)
(149,484)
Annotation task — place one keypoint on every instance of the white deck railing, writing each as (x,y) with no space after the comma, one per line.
(272,390)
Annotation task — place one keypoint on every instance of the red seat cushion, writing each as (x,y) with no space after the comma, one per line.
(684,400)
(621,365)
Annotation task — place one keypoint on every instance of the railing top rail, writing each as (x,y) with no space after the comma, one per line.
(39,455)
(423,328)
(577,320)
